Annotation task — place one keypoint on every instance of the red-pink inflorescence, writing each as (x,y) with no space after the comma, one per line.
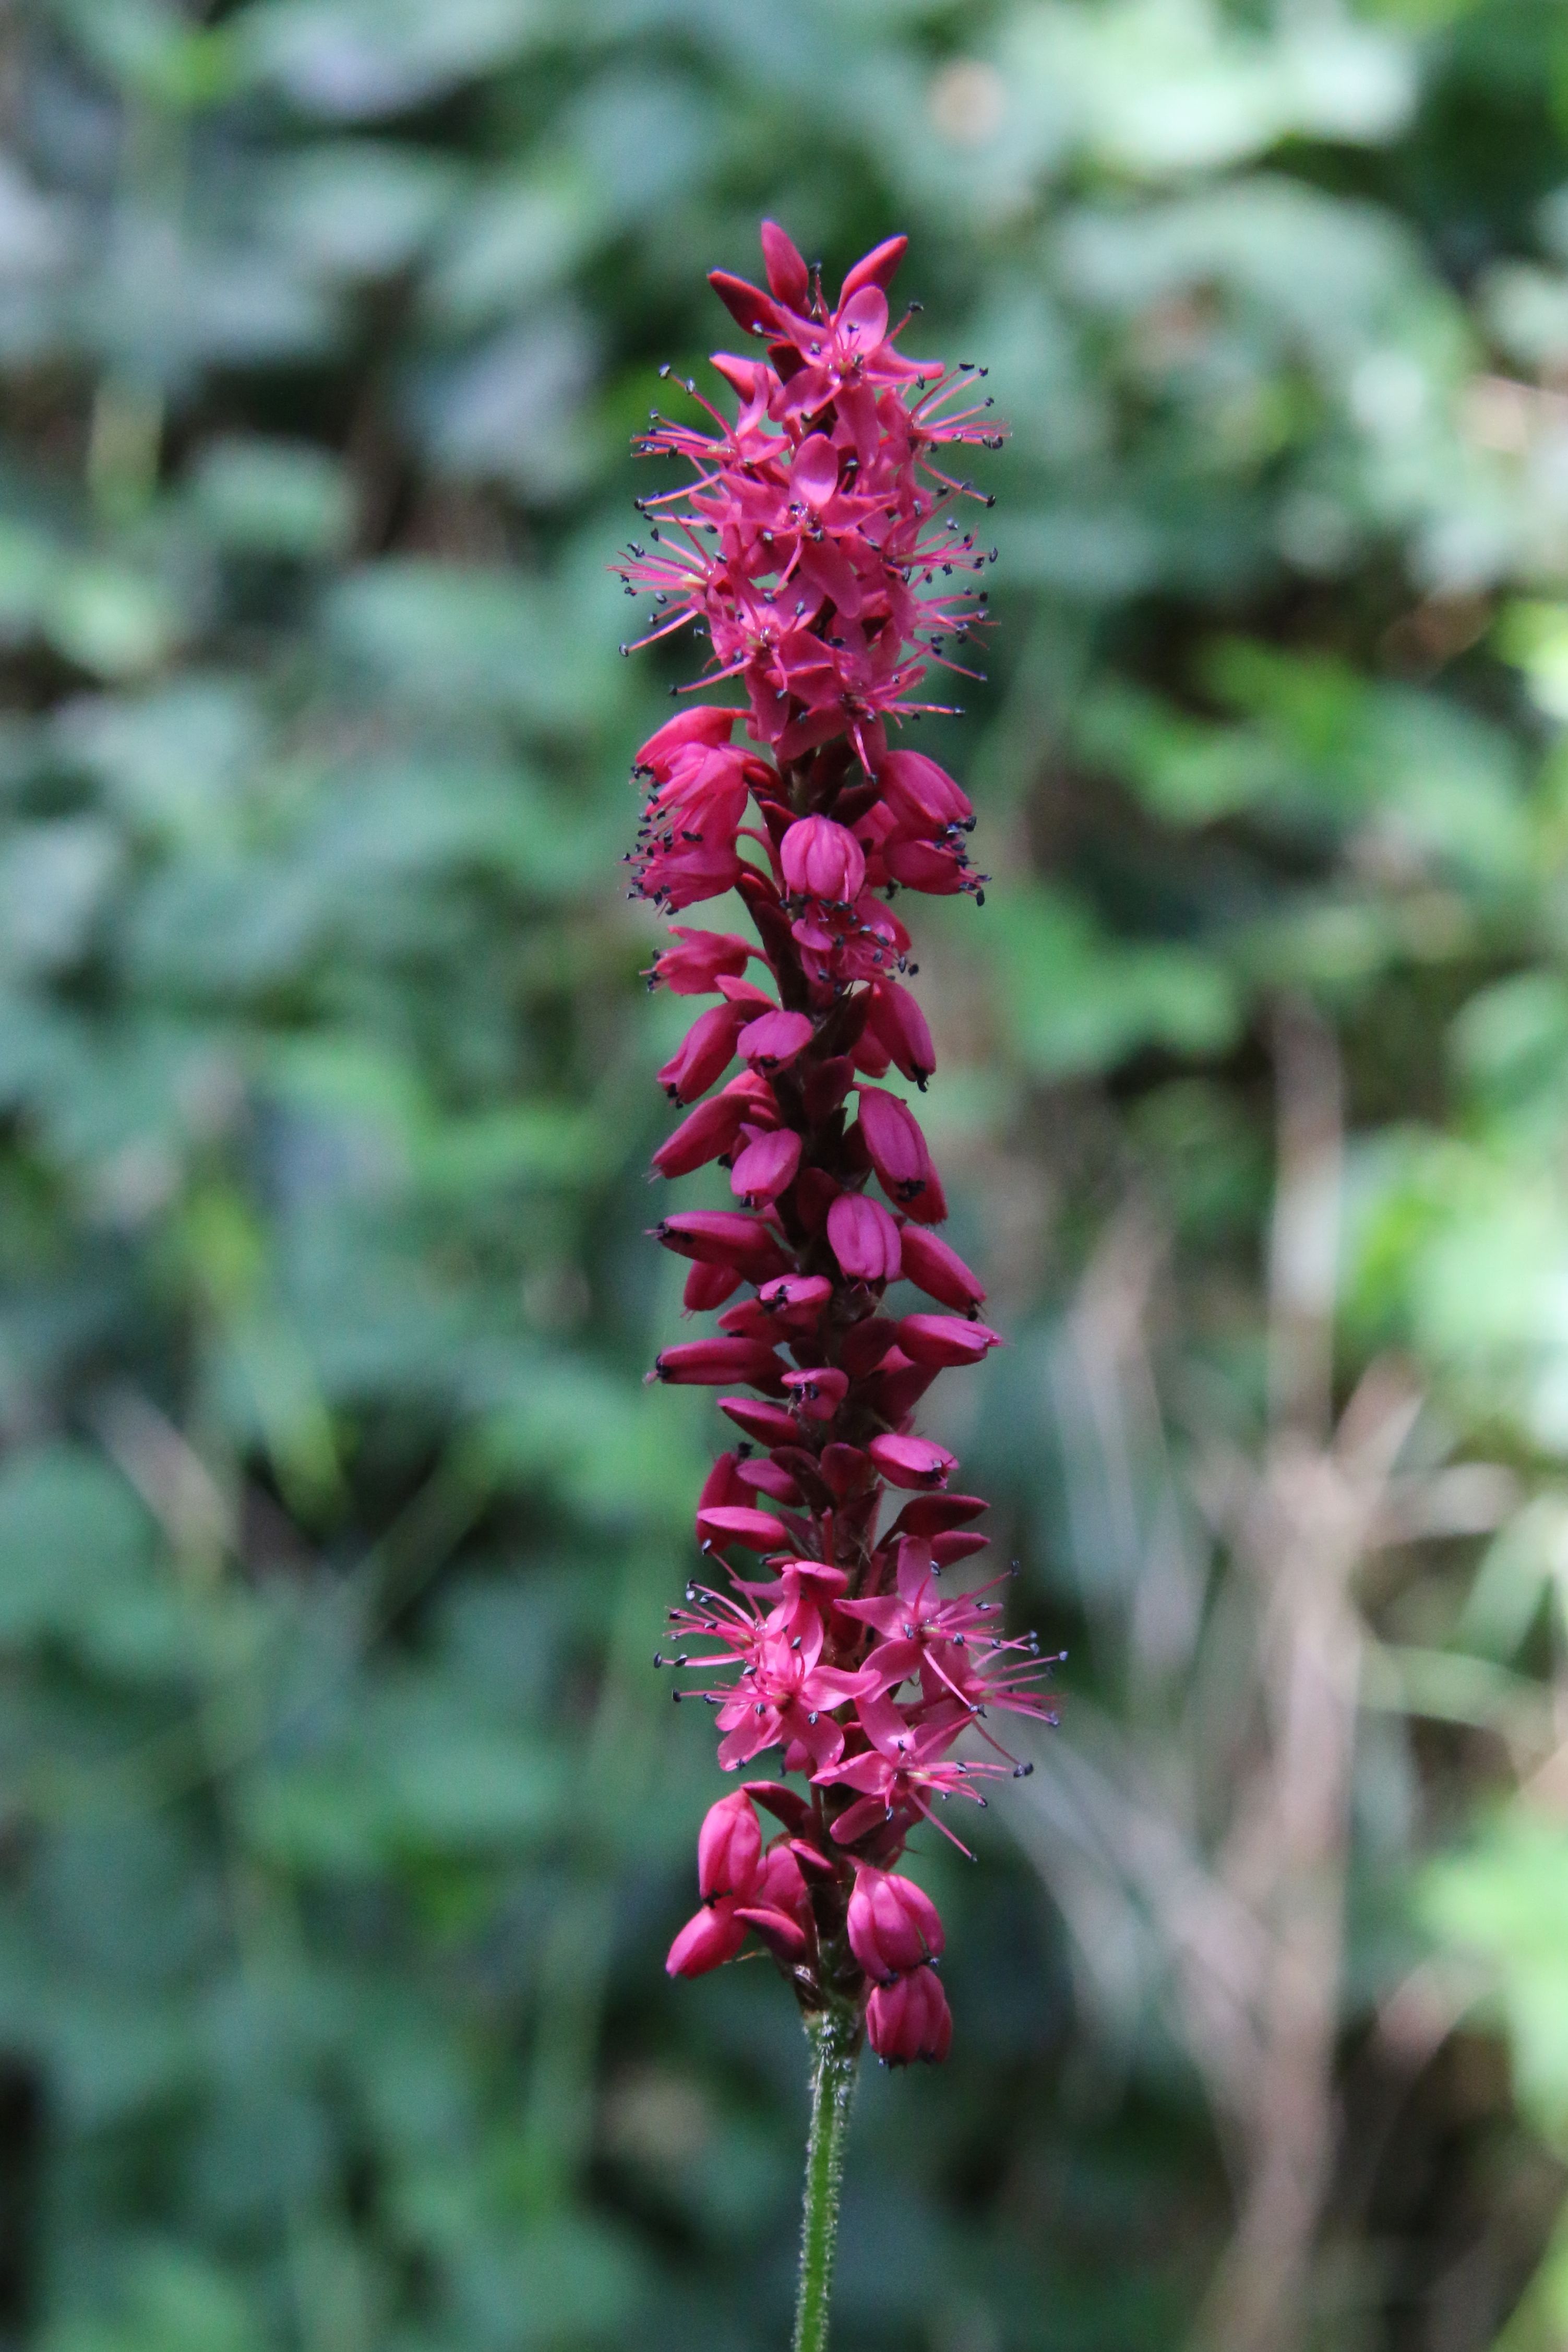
(820,547)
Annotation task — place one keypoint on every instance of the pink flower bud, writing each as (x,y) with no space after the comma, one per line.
(865,1239)
(713,1126)
(770,1424)
(931,867)
(940,1272)
(708,1363)
(945,1339)
(719,1485)
(779,1881)
(787,273)
(894,1925)
(898,1025)
(872,1058)
(818,1393)
(725,1237)
(892,1136)
(701,723)
(783,1935)
(766,1168)
(767,1477)
(694,871)
(873,268)
(822,860)
(706,1942)
(711,1129)
(796,1291)
(776,1907)
(772,1042)
(948,1550)
(704,1054)
(751,999)
(701,959)
(912,1461)
(910,2019)
(736,1523)
(707,1286)
(751,378)
(932,1515)
(729,1848)
(921,797)
(748,307)
(786,1804)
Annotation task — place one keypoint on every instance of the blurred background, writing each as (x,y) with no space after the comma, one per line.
(343,1821)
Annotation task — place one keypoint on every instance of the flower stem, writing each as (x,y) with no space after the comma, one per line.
(835,2038)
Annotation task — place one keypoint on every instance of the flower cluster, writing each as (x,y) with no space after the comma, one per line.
(816,546)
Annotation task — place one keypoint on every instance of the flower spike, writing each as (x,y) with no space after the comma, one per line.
(819,547)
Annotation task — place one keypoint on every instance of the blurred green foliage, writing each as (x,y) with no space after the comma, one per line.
(342,1829)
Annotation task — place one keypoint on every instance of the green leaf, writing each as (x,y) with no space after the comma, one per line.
(262,496)
(115,623)
(1074,1002)
(348,60)
(72,1538)
(458,639)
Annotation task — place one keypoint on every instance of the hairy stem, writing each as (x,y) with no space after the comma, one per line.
(835,2038)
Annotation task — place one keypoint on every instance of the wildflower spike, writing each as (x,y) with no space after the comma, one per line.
(819,549)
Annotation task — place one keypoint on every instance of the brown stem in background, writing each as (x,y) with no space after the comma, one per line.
(1301,1537)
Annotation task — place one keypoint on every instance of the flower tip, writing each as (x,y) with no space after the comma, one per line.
(787,275)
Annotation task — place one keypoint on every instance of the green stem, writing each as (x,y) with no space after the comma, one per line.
(835,2038)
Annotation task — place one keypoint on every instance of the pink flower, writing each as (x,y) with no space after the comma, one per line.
(896,1023)
(694,966)
(708,1363)
(707,1286)
(706,1053)
(766,1166)
(768,1424)
(912,1461)
(939,1271)
(909,2019)
(923,799)
(942,1339)
(737,1523)
(729,1848)
(705,723)
(741,1886)
(894,1926)
(865,1239)
(808,545)
(904,1767)
(947,1642)
(725,1237)
(713,1126)
(818,1392)
(896,1147)
(788,1696)
(819,545)
(713,1936)
(797,1294)
(822,860)
(775,1040)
